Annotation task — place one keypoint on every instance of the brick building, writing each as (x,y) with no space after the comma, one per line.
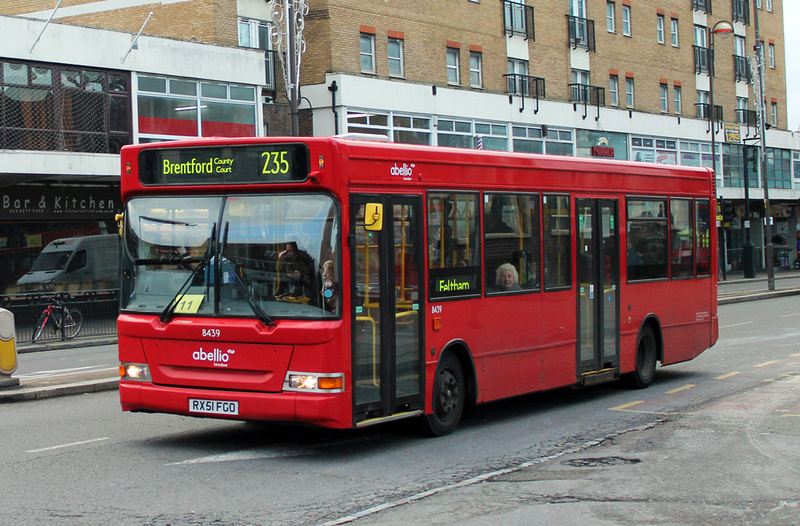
(622,78)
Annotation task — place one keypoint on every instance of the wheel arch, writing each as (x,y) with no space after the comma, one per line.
(652,321)
(462,352)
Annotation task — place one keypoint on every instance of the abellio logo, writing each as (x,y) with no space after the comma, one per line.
(217,357)
(405,171)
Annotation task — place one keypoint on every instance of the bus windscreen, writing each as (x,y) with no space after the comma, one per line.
(236,164)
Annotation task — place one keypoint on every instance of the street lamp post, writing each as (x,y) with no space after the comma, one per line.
(762,125)
(723,27)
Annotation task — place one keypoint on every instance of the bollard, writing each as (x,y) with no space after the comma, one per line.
(8,349)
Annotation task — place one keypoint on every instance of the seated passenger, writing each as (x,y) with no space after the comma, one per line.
(507,278)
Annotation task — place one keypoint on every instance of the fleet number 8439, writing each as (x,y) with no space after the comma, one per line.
(211,333)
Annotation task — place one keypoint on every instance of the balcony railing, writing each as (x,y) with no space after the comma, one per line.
(700,59)
(747,117)
(703,109)
(581,33)
(702,5)
(741,69)
(525,86)
(519,19)
(741,11)
(587,95)
(271,67)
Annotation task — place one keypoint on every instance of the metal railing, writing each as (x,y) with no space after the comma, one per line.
(702,5)
(700,59)
(741,69)
(519,19)
(98,307)
(581,33)
(525,86)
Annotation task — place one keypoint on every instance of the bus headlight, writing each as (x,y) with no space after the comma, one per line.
(134,371)
(314,382)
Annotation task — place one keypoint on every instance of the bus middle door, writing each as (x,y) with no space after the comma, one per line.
(385,241)
(598,290)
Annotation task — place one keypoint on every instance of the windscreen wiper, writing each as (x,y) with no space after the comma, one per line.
(166,314)
(240,284)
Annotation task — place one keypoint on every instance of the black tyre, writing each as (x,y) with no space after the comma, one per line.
(40,325)
(73,321)
(449,397)
(646,357)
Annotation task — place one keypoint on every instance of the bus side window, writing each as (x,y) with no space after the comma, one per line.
(511,237)
(453,244)
(556,228)
(647,235)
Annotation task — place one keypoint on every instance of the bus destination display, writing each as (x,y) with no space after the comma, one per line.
(247,164)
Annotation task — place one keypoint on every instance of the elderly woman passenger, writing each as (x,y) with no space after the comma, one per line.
(507,277)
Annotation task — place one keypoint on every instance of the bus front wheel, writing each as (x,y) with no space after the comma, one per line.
(646,357)
(449,396)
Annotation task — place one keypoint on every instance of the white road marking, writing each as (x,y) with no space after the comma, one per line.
(73,444)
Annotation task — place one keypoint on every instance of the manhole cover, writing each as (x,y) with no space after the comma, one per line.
(601,461)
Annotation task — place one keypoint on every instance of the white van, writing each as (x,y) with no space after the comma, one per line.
(75,263)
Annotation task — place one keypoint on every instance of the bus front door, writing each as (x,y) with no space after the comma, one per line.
(387,290)
(598,290)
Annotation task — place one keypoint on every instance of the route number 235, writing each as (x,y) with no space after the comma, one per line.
(275,163)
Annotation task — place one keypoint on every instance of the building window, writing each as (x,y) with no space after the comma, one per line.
(611,24)
(774,113)
(626,20)
(254,34)
(517,79)
(769,5)
(367,122)
(629,92)
(476,69)
(63,108)
(664,96)
(367,53)
(172,108)
(772,56)
(741,110)
(395,51)
(518,18)
(651,150)
(660,28)
(703,110)
(676,99)
(779,168)
(491,136)
(408,129)
(453,66)
(542,139)
(674,31)
(613,90)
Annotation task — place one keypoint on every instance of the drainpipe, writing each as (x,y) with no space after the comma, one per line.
(333,88)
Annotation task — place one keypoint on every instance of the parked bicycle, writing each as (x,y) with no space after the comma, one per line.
(64,319)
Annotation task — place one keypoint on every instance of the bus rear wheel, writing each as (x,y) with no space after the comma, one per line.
(646,357)
(449,396)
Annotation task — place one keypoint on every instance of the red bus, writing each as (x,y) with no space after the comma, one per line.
(343,282)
